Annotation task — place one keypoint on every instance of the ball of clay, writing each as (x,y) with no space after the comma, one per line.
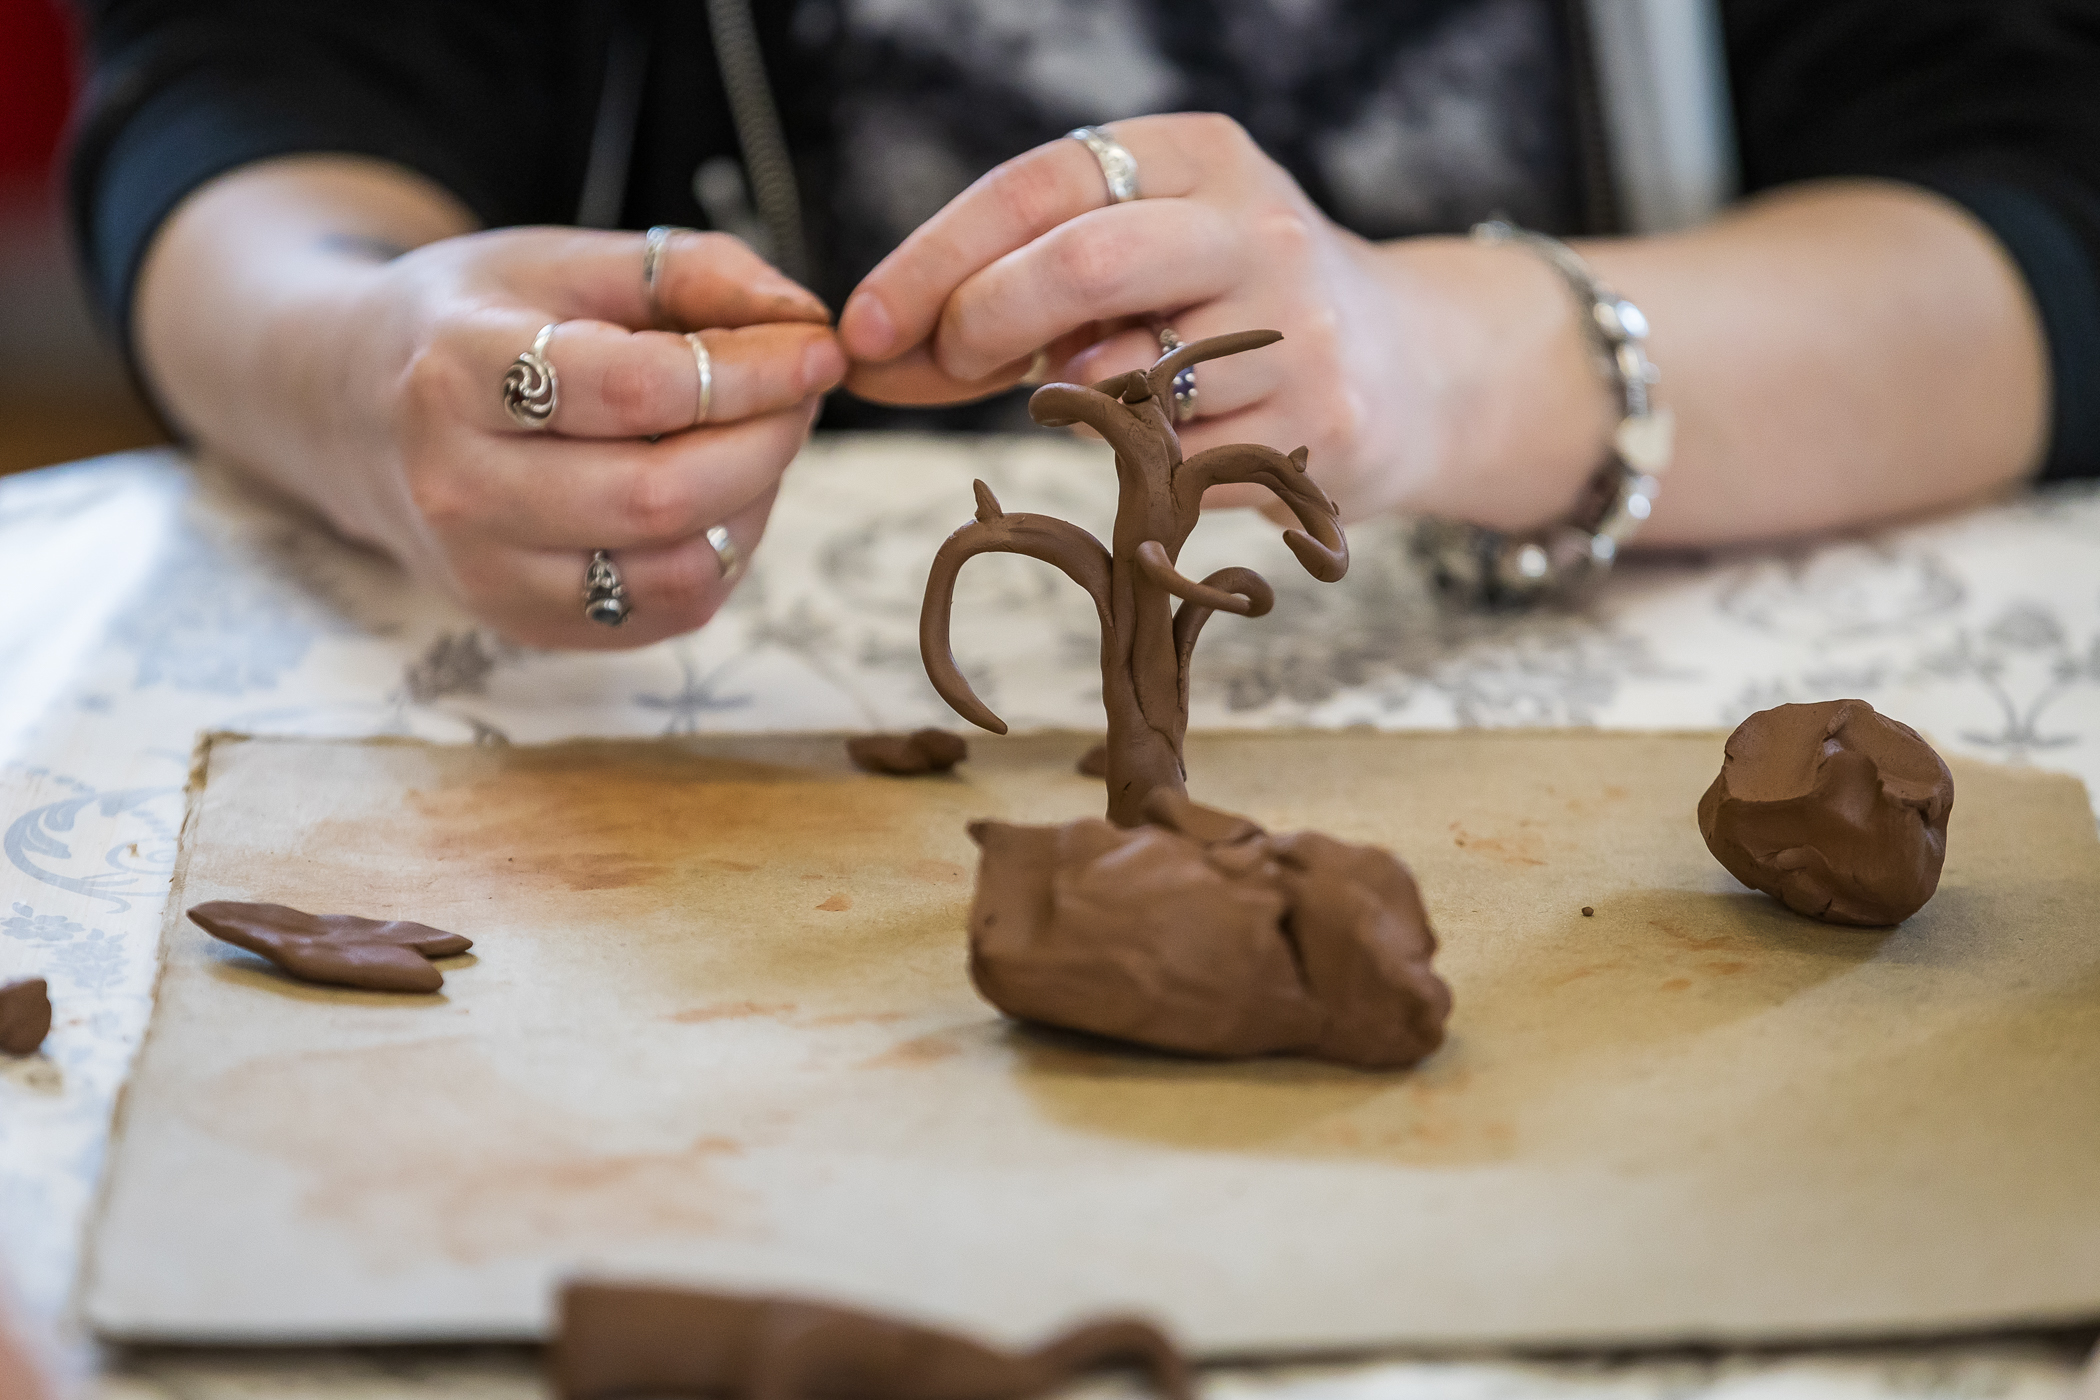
(1201,933)
(907,755)
(1835,811)
(25,1016)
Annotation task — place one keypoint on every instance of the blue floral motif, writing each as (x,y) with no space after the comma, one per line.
(95,963)
(25,922)
(203,623)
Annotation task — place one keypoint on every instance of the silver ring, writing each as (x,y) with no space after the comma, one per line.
(604,592)
(725,550)
(531,389)
(1118,165)
(654,246)
(704,395)
(1184,380)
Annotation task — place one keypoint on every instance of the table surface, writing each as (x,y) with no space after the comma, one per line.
(155,598)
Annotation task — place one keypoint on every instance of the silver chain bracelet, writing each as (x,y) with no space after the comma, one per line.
(1488,566)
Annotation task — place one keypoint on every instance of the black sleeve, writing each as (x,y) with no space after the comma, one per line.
(1994,104)
(494,101)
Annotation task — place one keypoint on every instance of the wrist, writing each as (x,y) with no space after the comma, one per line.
(1522,417)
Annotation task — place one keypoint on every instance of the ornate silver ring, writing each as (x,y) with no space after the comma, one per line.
(604,592)
(1184,381)
(531,389)
(655,246)
(1118,165)
(725,550)
(704,394)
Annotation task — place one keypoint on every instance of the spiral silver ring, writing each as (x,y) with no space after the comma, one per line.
(531,389)
(1118,165)
(1184,380)
(725,550)
(704,394)
(604,592)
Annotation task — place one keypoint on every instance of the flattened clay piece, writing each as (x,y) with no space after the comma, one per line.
(907,755)
(1201,933)
(1094,762)
(1833,810)
(338,949)
(25,1016)
(627,1341)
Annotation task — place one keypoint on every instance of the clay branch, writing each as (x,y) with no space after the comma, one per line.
(1320,546)
(1081,557)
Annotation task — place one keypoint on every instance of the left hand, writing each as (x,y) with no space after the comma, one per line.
(1034,256)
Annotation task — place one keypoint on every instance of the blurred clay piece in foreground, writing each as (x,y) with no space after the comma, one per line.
(25,1016)
(620,1340)
(1198,932)
(907,755)
(1835,811)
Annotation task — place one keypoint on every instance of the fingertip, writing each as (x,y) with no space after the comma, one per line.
(823,365)
(867,328)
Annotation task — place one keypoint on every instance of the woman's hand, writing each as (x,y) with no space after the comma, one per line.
(372,387)
(1834,353)
(1374,373)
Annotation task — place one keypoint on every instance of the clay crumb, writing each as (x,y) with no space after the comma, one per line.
(837,904)
(907,755)
(25,1016)
(379,955)
(1588,912)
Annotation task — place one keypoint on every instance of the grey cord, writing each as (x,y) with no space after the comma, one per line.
(758,131)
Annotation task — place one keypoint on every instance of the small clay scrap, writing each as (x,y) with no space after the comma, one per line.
(907,755)
(1835,811)
(25,1016)
(620,1340)
(1199,932)
(339,949)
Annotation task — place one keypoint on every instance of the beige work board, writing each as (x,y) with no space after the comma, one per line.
(717,1027)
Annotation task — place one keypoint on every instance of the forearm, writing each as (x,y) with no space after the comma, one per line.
(1834,354)
(226,313)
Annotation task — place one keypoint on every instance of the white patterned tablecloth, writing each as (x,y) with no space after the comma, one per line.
(148,599)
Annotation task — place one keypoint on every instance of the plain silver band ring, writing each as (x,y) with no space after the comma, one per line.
(704,393)
(531,388)
(655,244)
(1184,380)
(725,550)
(1118,165)
(604,592)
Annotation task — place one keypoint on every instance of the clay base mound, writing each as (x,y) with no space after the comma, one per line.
(1835,811)
(1199,932)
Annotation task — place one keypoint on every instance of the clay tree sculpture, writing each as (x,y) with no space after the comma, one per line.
(1146,641)
(1172,924)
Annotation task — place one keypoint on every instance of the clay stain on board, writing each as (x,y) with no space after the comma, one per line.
(729,1011)
(529,1173)
(838,903)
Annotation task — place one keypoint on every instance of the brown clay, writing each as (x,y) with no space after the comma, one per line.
(1093,763)
(1200,933)
(339,949)
(1146,641)
(629,1341)
(906,755)
(1835,811)
(25,1016)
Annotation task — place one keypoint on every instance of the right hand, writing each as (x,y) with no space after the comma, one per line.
(432,468)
